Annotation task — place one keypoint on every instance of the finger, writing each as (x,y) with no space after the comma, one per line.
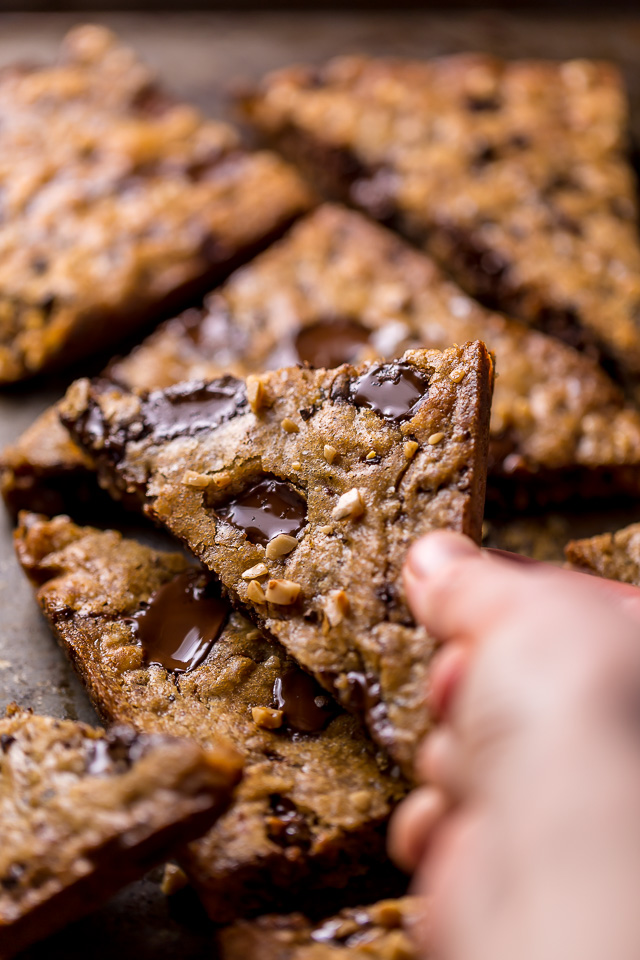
(447,671)
(440,763)
(412,825)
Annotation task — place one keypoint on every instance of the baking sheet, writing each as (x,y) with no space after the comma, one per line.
(200,57)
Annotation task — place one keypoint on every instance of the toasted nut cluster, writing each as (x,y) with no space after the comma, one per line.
(283,592)
(255,593)
(267,718)
(330,453)
(410,449)
(435,438)
(279,546)
(256,393)
(259,570)
(349,506)
(336,607)
(289,426)
(198,481)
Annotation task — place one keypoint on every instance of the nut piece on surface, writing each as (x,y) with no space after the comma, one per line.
(330,453)
(267,718)
(173,879)
(410,449)
(336,607)
(457,375)
(435,438)
(371,455)
(255,593)
(284,592)
(256,394)
(289,426)
(279,546)
(349,505)
(222,479)
(196,480)
(258,570)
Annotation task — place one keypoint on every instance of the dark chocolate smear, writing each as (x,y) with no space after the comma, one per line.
(394,390)
(191,407)
(266,509)
(182,410)
(183,620)
(306,707)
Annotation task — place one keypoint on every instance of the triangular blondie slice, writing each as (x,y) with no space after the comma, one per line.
(158,648)
(514,175)
(303,490)
(84,813)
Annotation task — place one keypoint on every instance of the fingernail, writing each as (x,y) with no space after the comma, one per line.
(434,551)
(512,557)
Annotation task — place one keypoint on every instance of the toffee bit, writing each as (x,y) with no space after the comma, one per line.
(289,426)
(410,450)
(267,717)
(349,506)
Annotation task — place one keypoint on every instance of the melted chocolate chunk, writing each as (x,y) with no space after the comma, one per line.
(188,408)
(307,709)
(5,742)
(266,509)
(394,390)
(183,620)
(331,343)
(288,826)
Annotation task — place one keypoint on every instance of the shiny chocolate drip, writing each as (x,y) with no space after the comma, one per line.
(183,620)
(306,707)
(266,509)
(394,390)
(190,407)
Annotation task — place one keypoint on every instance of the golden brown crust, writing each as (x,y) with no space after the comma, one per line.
(377,932)
(329,788)
(118,203)
(85,812)
(514,175)
(382,484)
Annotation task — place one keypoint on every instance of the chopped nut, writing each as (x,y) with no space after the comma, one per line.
(284,592)
(435,438)
(330,453)
(256,394)
(280,545)
(456,375)
(222,479)
(259,570)
(336,607)
(267,718)
(196,480)
(327,529)
(289,426)
(349,505)
(173,879)
(296,465)
(410,450)
(255,593)
(371,455)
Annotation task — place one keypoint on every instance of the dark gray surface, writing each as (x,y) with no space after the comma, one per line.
(200,57)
